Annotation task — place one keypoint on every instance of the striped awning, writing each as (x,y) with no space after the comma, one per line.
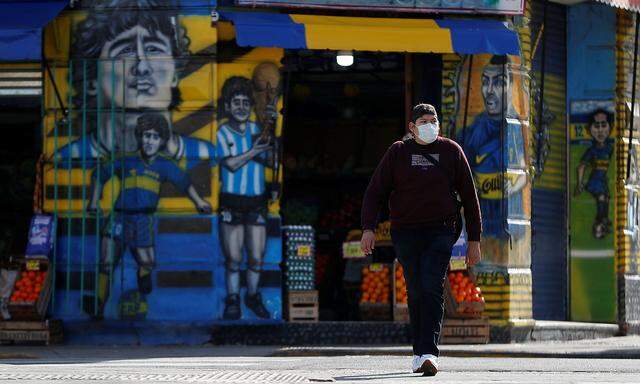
(255,29)
(20,80)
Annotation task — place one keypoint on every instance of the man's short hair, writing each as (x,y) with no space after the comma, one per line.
(152,121)
(592,117)
(421,110)
(503,61)
(108,18)
(234,86)
(499,60)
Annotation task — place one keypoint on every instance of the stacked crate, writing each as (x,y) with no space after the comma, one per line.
(299,262)
(301,302)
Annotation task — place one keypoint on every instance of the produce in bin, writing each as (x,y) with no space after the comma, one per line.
(376,284)
(28,287)
(464,289)
(401,285)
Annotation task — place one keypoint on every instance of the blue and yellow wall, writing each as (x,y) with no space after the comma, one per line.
(94,94)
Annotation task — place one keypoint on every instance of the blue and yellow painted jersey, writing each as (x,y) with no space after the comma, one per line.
(481,144)
(141,181)
(598,157)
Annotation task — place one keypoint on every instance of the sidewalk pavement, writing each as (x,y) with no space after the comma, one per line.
(623,347)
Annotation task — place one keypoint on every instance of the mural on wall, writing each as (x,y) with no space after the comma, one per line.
(597,158)
(162,166)
(632,225)
(132,222)
(245,147)
(489,111)
(592,178)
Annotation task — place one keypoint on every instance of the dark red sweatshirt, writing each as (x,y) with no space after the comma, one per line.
(419,193)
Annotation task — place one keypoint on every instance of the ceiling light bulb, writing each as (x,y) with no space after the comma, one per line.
(344,58)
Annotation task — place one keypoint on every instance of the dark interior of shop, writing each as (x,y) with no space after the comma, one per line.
(338,122)
(20,122)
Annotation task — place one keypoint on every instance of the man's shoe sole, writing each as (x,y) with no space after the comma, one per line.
(428,369)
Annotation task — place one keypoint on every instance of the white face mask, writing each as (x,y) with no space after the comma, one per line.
(428,132)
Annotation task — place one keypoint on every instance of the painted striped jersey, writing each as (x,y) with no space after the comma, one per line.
(191,152)
(248,180)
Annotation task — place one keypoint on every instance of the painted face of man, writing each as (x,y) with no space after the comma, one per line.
(151,142)
(266,78)
(239,108)
(494,82)
(600,128)
(137,70)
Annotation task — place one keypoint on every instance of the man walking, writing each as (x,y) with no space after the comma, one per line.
(421,178)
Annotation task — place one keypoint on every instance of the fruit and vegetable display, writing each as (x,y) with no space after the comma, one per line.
(299,262)
(463,288)
(465,298)
(400,285)
(28,287)
(376,284)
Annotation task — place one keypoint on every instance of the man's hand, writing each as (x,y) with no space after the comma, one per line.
(204,207)
(262,145)
(579,188)
(473,253)
(368,242)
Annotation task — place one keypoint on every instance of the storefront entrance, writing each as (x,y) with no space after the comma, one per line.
(338,123)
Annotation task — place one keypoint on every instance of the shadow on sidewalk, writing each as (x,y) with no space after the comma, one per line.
(378,376)
(29,355)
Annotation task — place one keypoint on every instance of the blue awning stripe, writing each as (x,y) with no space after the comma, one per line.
(469,36)
(21,24)
(481,36)
(257,29)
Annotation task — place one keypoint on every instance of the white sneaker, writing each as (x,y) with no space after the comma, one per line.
(426,364)
(416,364)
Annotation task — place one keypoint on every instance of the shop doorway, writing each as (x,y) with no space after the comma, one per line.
(338,123)
(20,120)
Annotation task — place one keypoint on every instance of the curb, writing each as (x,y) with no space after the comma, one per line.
(16,356)
(407,352)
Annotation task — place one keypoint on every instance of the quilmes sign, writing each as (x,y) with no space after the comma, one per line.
(511,7)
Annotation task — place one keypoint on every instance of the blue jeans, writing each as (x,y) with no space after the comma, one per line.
(424,254)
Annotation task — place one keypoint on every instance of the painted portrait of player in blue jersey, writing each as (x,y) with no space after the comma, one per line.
(245,148)
(127,60)
(598,157)
(132,222)
(493,143)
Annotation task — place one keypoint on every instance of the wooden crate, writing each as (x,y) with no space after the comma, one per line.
(401,313)
(301,306)
(400,310)
(47,332)
(464,309)
(37,310)
(465,331)
(375,311)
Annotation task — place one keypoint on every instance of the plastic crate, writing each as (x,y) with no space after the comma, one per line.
(33,311)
